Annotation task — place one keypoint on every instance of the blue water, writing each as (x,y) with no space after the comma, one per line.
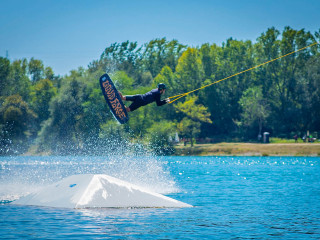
(233,198)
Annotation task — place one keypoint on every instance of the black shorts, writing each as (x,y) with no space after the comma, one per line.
(137,102)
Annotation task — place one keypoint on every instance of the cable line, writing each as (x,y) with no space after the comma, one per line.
(176,97)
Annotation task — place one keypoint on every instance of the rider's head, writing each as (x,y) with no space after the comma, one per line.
(162,87)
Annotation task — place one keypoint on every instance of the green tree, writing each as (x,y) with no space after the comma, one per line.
(18,80)
(43,92)
(94,114)
(122,80)
(279,79)
(309,96)
(165,76)
(121,56)
(222,98)
(210,59)
(189,71)
(254,108)
(49,74)
(62,131)
(140,63)
(146,79)
(141,120)
(159,53)
(195,114)
(36,69)
(16,121)
(158,136)
(4,73)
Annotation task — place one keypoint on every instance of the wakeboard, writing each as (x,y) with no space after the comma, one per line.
(113,99)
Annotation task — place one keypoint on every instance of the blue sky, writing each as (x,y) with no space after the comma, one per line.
(66,34)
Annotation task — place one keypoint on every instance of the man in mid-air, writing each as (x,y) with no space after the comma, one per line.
(140,100)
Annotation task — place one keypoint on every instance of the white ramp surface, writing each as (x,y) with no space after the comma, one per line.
(97,191)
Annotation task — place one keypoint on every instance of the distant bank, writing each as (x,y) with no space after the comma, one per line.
(250,149)
(233,149)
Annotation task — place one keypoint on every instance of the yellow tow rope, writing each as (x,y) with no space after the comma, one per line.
(176,97)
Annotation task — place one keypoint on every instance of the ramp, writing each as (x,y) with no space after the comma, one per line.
(97,191)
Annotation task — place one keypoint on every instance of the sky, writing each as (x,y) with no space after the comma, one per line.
(67,34)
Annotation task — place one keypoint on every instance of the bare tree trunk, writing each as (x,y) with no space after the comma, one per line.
(191,140)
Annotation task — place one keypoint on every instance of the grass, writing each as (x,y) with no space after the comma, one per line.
(250,149)
(283,140)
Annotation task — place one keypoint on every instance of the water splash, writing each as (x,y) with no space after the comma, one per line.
(132,162)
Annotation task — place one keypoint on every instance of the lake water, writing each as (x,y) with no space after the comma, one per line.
(233,198)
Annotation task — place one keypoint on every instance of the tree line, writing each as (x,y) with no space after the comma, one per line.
(44,112)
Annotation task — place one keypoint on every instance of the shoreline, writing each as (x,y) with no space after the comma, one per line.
(249,149)
(232,149)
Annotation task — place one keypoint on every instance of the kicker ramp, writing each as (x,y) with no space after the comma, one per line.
(97,191)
